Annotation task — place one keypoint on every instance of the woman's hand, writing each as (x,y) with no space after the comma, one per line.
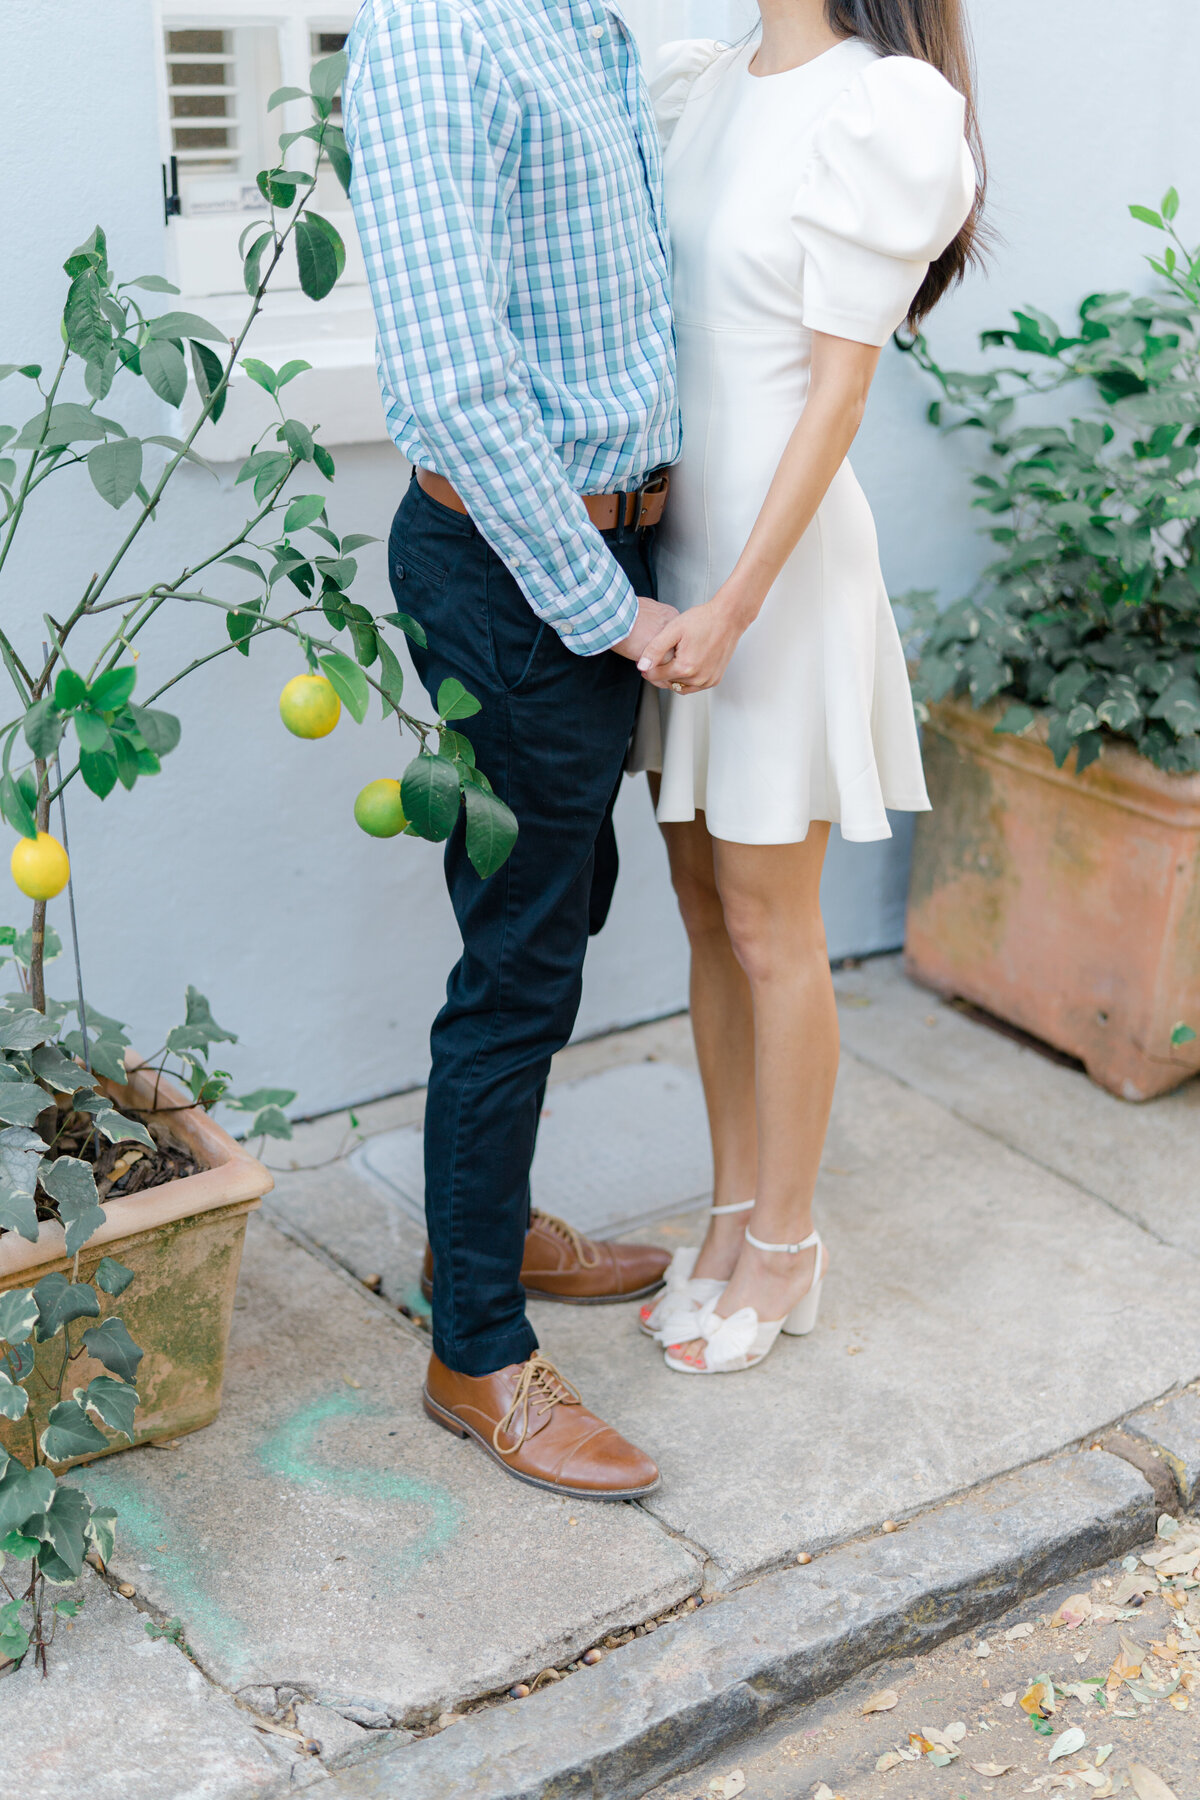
(692,652)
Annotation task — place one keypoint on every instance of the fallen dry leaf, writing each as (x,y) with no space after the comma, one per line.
(984,1649)
(956,1732)
(883,1701)
(725,1787)
(1038,1700)
(824,1792)
(891,1759)
(1147,1785)
(992,1769)
(1067,1743)
(1010,1698)
(1130,1586)
(1073,1612)
(1018,1631)
(1091,1778)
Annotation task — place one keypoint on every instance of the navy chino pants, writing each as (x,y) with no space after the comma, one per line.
(551,738)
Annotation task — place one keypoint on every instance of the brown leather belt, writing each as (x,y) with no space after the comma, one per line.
(637,511)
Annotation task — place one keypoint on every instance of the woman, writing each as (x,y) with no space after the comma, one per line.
(821,189)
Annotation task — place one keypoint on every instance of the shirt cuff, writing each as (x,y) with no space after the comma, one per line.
(585,634)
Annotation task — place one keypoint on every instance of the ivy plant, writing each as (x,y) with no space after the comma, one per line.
(1087,620)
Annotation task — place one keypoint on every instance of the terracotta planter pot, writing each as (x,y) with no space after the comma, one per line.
(183,1242)
(1068,905)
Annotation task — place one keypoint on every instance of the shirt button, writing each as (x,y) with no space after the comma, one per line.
(567,629)
(515,563)
(596,31)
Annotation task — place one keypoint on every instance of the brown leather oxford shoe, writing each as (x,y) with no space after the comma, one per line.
(561,1264)
(533,1423)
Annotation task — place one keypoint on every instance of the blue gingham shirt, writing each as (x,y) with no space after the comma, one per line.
(508,192)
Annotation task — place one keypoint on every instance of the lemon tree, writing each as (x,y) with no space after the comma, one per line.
(85,711)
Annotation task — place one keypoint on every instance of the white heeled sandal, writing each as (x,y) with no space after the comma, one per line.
(684,1293)
(743,1339)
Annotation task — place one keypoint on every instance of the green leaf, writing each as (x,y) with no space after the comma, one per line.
(1147,216)
(16,1544)
(60,1301)
(491,831)
(454,702)
(22,1029)
(240,625)
(21,1152)
(278,186)
(14,1401)
(153,284)
(298,439)
(70,1433)
(165,369)
(14,1639)
(24,1493)
(316,258)
(209,373)
(1170,204)
(408,626)
(67,423)
(178,325)
(290,370)
(324,461)
(114,1401)
(112,1345)
(1180,1034)
(100,1532)
(429,792)
(89,331)
(302,511)
(117,1128)
(99,771)
(266,468)
(251,266)
(349,683)
(71,1184)
(200,1018)
(18,1315)
(60,1072)
(112,1277)
(160,730)
(327,75)
(282,95)
(116,469)
(18,1213)
(22,1101)
(15,808)
(261,372)
(331,232)
(270,1122)
(43,726)
(391,676)
(92,731)
(261,1097)
(245,563)
(338,154)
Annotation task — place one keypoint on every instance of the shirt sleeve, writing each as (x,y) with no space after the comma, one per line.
(888,185)
(435,138)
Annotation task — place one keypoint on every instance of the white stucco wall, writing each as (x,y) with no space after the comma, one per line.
(240,868)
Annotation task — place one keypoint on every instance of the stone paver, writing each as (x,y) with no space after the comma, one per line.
(122,1716)
(324,1534)
(1144,1160)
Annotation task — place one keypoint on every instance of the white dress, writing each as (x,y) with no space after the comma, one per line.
(812,200)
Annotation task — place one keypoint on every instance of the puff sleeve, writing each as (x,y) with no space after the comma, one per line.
(888,186)
(672,75)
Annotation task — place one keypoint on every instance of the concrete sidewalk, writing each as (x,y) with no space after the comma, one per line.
(1014,1271)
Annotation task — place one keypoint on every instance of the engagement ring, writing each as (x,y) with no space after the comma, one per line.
(677,687)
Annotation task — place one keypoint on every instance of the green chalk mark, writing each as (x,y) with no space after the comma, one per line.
(289,1454)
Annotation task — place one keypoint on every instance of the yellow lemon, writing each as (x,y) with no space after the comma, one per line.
(309,706)
(379,809)
(40,866)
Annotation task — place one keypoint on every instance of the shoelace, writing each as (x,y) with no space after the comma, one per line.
(585,1251)
(540,1382)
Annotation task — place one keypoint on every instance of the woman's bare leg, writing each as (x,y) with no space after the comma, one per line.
(723,1029)
(770,897)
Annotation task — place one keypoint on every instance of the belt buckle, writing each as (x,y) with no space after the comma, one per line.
(653,484)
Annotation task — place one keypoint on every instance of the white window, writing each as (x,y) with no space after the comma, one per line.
(219,68)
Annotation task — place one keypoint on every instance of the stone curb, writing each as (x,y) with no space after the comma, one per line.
(1172,1428)
(664,1703)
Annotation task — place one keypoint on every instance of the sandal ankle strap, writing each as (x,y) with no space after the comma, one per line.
(812,1240)
(738,1206)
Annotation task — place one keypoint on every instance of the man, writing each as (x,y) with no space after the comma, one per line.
(507,189)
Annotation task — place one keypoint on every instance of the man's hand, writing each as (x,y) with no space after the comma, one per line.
(653,617)
(693,651)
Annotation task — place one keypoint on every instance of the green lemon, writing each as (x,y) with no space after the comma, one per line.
(379,809)
(309,706)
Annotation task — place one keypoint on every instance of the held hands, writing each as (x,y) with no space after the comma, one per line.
(693,649)
(653,616)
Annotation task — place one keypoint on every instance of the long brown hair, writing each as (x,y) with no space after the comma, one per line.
(934,31)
